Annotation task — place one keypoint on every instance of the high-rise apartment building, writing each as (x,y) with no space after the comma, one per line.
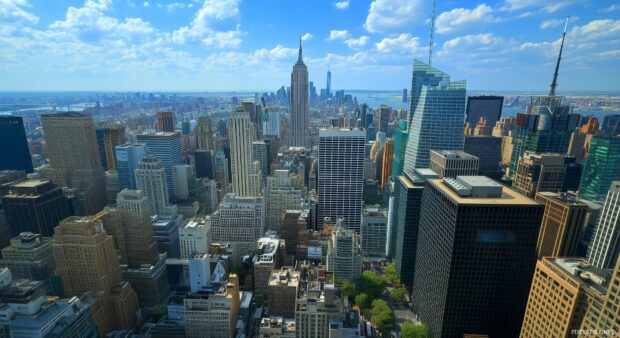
(151,180)
(475,257)
(606,242)
(165,121)
(14,151)
(300,105)
(204,133)
(280,195)
(135,216)
(561,293)
(601,167)
(453,163)
(602,317)
(34,205)
(489,107)
(374,232)
(165,146)
(241,137)
(344,254)
(539,172)
(282,291)
(74,159)
(407,203)
(561,229)
(29,257)
(128,156)
(239,221)
(341,176)
(436,115)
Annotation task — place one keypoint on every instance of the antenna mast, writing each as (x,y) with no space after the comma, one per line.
(554,83)
(430,47)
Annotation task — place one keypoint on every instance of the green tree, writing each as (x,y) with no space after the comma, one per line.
(371,284)
(381,316)
(410,330)
(390,275)
(362,300)
(398,295)
(350,289)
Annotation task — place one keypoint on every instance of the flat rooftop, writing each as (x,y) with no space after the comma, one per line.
(508,196)
(582,271)
(32,183)
(454,154)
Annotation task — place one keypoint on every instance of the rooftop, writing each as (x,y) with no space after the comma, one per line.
(453,154)
(266,248)
(582,271)
(507,197)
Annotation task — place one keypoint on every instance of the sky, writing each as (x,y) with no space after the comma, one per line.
(126,45)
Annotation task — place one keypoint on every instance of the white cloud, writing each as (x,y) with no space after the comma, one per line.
(388,15)
(177,5)
(451,21)
(11,11)
(201,27)
(342,4)
(338,34)
(551,23)
(146,4)
(611,8)
(404,43)
(307,37)
(356,43)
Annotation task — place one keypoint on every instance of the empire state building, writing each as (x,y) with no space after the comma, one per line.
(299,103)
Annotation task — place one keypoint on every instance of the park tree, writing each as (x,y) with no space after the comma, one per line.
(398,295)
(371,284)
(381,316)
(410,330)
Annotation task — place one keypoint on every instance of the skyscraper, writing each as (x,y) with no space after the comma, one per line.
(280,195)
(240,133)
(344,254)
(328,89)
(602,315)
(436,115)
(29,257)
(165,121)
(151,180)
(74,159)
(400,145)
(260,153)
(601,167)
(204,133)
(475,258)
(539,172)
(128,156)
(606,242)
(489,107)
(14,151)
(135,216)
(299,103)
(488,150)
(450,163)
(34,205)
(384,118)
(167,148)
(341,176)
(374,232)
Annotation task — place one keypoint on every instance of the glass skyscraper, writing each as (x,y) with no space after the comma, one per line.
(127,158)
(602,166)
(166,147)
(14,152)
(436,114)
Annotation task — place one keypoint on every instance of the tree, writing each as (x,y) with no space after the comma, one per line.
(398,295)
(409,330)
(390,275)
(349,288)
(371,284)
(362,300)
(381,316)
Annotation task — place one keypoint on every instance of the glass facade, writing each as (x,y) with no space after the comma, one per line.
(602,166)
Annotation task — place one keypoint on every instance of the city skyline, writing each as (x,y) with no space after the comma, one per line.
(231,44)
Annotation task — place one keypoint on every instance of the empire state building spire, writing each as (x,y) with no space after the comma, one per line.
(299,58)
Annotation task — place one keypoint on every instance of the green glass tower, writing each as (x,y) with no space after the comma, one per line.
(602,166)
(400,144)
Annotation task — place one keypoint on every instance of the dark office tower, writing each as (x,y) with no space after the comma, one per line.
(299,103)
(329,83)
(488,150)
(104,146)
(407,201)
(34,205)
(74,159)
(601,167)
(204,162)
(165,121)
(436,114)
(404,96)
(167,148)
(384,118)
(573,174)
(14,152)
(476,257)
(341,176)
(611,125)
(489,107)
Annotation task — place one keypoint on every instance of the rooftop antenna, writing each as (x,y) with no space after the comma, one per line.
(430,47)
(554,83)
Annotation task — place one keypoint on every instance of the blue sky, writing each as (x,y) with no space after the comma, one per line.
(252,44)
